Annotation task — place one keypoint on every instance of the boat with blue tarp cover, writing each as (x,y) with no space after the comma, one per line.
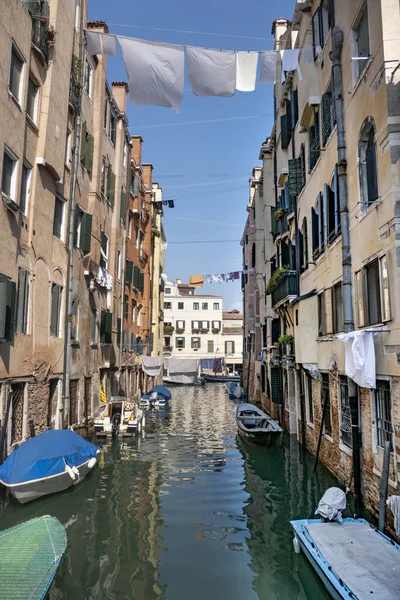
(235,392)
(30,554)
(159,396)
(48,463)
(354,560)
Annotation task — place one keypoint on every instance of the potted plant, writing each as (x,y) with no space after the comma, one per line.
(279,213)
(179,331)
(204,330)
(288,341)
(169,329)
(195,330)
(155,232)
(215,331)
(274,279)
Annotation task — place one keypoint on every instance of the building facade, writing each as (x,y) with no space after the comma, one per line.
(192,323)
(330,241)
(73,195)
(232,337)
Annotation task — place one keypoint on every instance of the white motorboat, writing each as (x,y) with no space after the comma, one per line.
(120,417)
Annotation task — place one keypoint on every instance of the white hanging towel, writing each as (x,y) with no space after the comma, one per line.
(268,60)
(394,503)
(290,62)
(152,365)
(155,72)
(211,72)
(360,363)
(246,71)
(307,55)
(100,43)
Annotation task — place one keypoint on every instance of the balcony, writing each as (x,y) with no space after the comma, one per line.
(41,35)
(285,289)
(75,85)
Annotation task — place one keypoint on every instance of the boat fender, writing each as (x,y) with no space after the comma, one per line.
(296,545)
(92,462)
(70,472)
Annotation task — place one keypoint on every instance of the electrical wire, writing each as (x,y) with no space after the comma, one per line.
(221,120)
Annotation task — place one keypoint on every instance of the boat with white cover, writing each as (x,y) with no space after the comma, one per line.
(119,417)
(255,426)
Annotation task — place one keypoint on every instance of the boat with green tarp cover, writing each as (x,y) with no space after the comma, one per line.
(29,557)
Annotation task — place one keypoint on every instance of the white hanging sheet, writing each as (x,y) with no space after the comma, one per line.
(155,72)
(268,60)
(100,43)
(290,62)
(211,72)
(152,365)
(246,71)
(360,364)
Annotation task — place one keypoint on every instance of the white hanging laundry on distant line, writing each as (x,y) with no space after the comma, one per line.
(307,55)
(290,62)
(268,60)
(246,71)
(155,72)
(360,364)
(100,43)
(211,72)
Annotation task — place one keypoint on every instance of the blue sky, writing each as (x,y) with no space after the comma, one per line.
(204,167)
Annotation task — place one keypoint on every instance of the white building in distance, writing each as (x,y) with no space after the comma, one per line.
(192,323)
(232,335)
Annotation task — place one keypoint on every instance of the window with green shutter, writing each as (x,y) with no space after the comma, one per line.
(136,277)
(7,308)
(85,237)
(129,271)
(119,327)
(276,385)
(55,318)
(123,205)
(315,237)
(22,300)
(105,327)
(294,107)
(286,134)
(110,196)
(83,142)
(87,145)
(273,220)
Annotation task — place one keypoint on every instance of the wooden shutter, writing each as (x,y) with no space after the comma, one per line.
(273,220)
(289,116)
(285,257)
(135,277)
(305,234)
(285,132)
(314,222)
(111,186)
(86,233)
(55,306)
(371,168)
(276,385)
(89,152)
(326,116)
(22,299)
(321,219)
(123,205)
(3,305)
(107,327)
(301,250)
(303,165)
(119,323)
(275,330)
(136,187)
(336,199)
(311,140)
(294,104)
(83,141)
(128,271)
(253,256)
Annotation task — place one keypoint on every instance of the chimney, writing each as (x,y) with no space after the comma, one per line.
(148,174)
(97,26)
(136,153)
(119,91)
(178,281)
(279,27)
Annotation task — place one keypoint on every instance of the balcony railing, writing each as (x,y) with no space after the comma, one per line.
(75,85)
(39,10)
(285,287)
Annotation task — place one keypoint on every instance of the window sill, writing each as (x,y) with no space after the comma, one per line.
(311,425)
(311,171)
(367,209)
(32,124)
(14,99)
(334,128)
(328,437)
(357,83)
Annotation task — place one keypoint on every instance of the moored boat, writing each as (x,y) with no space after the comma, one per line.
(30,554)
(119,417)
(235,392)
(48,463)
(255,426)
(220,378)
(158,397)
(353,559)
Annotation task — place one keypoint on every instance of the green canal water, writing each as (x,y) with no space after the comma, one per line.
(185,512)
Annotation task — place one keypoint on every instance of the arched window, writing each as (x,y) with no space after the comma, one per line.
(368,163)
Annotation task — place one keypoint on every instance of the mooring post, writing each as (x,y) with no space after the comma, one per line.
(384,486)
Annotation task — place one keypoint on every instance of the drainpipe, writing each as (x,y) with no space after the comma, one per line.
(66,398)
(337,45)
(123,261)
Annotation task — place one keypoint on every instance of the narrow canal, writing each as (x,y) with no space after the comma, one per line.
(187,511)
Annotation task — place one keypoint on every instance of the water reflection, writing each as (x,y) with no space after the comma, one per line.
(187,510)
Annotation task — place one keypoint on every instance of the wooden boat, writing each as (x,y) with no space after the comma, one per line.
(119,417)
(354,560)
(255,426)
(220,378)
(30,554)
(48,463)
(235,392)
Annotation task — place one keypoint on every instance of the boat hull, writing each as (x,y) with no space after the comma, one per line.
(220,378)
(259,438)
(31,490)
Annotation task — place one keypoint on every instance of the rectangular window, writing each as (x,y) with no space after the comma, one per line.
(204,306)
(7,308)
(119,264)
(359,299)
(309,399)
(113,127)
(196,343)
(383,413)
(328,114)
(337,307)
(87,146)
(372,293)
(83,230)
(345,414)
(196,306)
(325,397)
(58,223)
(67,157)
(180,324)
(105,327)
(105,116)
(25,188)
(22,301)
(167,305)
(88,82)
(133,311)
(196,325)
(216,325)
(8,180)
(321,315)
(320,26)
(94,327)
(104,251)
(216,306)
(32,102)
(168,291)
(205,325)
(361,46)
(385,298)
(314,143)
(15,83)
(229,347)
(138,315)
(180,342)
(181,305)
(55,319)
(210,346)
